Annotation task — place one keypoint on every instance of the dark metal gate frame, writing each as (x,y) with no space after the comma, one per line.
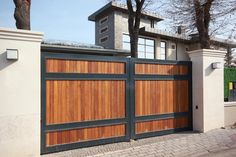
(129,77)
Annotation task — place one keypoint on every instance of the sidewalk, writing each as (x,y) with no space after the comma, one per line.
(182,144)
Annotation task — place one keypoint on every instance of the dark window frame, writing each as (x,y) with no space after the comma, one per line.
(103,39)
(152,24)
(145,45)
(103,30)
(103,20)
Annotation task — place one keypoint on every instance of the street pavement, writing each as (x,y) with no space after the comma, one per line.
(218,142)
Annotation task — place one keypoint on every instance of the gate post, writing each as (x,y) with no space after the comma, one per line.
(208,90)
(20,92)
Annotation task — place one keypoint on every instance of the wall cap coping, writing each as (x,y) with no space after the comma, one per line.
(22,35)
(230,104)
(207,53)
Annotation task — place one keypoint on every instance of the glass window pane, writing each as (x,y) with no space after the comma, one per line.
(163,51)
(141,41)
(150,49)
(126,38)
(162,57)
(141,48)
(150,55)
(163,44)
(126,46)
(150,42)
(141,55)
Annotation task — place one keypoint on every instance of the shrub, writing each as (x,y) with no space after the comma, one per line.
(229,76)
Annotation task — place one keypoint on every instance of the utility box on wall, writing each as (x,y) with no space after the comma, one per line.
(232,91)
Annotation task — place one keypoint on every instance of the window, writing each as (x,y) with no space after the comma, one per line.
(102,40)
(103,30)
(103,20)
(153,24)
(146,47)
(163,50)
(126,42)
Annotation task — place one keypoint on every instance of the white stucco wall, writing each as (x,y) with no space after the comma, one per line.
(230,113)
(208,96)
(20,94)
(182,54)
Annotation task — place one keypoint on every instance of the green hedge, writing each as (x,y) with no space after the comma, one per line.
(229,75)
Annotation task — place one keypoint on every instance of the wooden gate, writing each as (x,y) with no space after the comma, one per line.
(161,97)
(84,101)
(91,100)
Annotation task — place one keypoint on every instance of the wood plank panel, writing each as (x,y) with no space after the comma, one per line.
(77,66)
(85,134)
(75,101)
(160,97)
(160,125)
(161,69)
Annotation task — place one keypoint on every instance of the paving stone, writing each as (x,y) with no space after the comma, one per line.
(184,144)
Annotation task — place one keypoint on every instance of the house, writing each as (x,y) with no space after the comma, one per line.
(111,27)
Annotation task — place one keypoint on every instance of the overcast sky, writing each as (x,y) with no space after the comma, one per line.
(64,20)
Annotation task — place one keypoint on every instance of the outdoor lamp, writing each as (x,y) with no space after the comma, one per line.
(216,65)
(12,54)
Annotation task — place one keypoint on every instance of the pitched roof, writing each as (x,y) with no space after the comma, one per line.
(115,6)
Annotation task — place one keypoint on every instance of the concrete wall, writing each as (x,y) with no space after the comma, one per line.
(208,96)
(20,94)
(230,113)
(109,44)
(182,54)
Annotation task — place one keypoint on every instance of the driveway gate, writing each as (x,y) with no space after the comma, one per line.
(91,100)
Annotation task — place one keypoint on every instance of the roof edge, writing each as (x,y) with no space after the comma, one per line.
(80,50)
(115,5)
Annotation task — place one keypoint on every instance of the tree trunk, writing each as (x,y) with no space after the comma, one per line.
(203,17)
(22,14)
(134,45)
(134,24)
(204,40)
(228,57)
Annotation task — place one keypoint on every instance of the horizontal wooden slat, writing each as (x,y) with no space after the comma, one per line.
(76,101)
(86,134)
(78,66)
(160,125)
(161,97)
(161,69)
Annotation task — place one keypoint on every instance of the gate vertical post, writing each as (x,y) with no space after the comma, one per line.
(132,99)
(207,83)
(127,103)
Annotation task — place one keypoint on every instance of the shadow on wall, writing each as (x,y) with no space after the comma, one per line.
(4,62)
(208,70)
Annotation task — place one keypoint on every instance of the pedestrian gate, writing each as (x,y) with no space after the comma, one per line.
(91,100)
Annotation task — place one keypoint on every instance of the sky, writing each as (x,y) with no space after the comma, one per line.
(58,19)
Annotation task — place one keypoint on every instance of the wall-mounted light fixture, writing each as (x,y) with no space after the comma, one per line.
(216,65)
(12,54)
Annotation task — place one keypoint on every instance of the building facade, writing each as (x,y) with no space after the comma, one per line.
(111,32)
